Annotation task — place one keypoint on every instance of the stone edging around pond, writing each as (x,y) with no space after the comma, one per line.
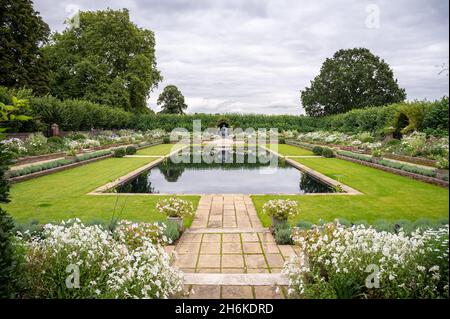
(64,167)
(103,190)
(426,179)
(325,179)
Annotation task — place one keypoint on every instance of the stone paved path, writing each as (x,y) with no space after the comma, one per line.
(226,238)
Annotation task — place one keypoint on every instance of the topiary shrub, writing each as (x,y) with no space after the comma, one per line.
(317,150)
(327,152)
(119,152)
(166,140)
(130,150)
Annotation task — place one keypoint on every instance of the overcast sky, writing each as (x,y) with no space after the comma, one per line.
(255,56)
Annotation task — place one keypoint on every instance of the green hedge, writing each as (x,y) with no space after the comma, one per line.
(78,115)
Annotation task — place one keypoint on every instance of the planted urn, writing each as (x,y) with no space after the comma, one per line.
(280,210)
(175,209)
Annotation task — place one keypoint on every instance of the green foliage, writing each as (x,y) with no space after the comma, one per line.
(130,150)
(327,152)
(283,234)
(172,232)
(5,161)
(392,164)
(81,115)
(435,121)
(317,150)
(172,101)
(353,78)
(13,113)
(6,253)
(409,117)
(166,140)
(106,59)
(22,63)
(119,152)
(56,163)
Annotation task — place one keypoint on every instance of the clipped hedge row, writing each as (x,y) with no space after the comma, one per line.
(78,115)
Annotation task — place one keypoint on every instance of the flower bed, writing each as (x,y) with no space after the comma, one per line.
(425,174)
(360,262)
(37,144)
(57,163)
(416,147)
(128,262)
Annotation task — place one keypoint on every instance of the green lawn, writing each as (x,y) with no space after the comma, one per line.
(161,149)
(386,196)
(62,195)
(290,150)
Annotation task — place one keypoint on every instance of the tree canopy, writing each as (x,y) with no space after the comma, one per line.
(171,100)
(22,34)
(105,59)
(351,79)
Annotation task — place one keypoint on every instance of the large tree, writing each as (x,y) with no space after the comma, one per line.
(105,58)
(353,78)
(22,34)
(171,100)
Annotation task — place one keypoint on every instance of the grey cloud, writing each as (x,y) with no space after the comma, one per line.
(255,56)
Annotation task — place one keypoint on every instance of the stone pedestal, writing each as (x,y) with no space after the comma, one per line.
(55,129)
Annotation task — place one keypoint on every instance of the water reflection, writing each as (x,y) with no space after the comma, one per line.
(224,176)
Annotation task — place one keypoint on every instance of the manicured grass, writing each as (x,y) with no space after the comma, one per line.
(161,149)
(62,195)
(290,150)
(386,196)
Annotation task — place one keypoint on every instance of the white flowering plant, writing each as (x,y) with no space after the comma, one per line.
(175,207)
(15,146)
(337,262)
(281,208)
(111,264)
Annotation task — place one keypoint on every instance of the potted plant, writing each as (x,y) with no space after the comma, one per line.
(175,209)
(280,210)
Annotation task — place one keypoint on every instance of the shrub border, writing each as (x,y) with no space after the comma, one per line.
(426,179)
(23,178)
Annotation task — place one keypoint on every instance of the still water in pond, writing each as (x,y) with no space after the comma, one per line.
(224,178)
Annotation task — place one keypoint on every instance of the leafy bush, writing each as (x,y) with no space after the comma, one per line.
(36,144)
(166,140)
(317,150)
(6,254)
(327,152)
(409,266)
(283,234)
(130,150)
(127,263)
(377,152)
(119,152)
(172,232)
